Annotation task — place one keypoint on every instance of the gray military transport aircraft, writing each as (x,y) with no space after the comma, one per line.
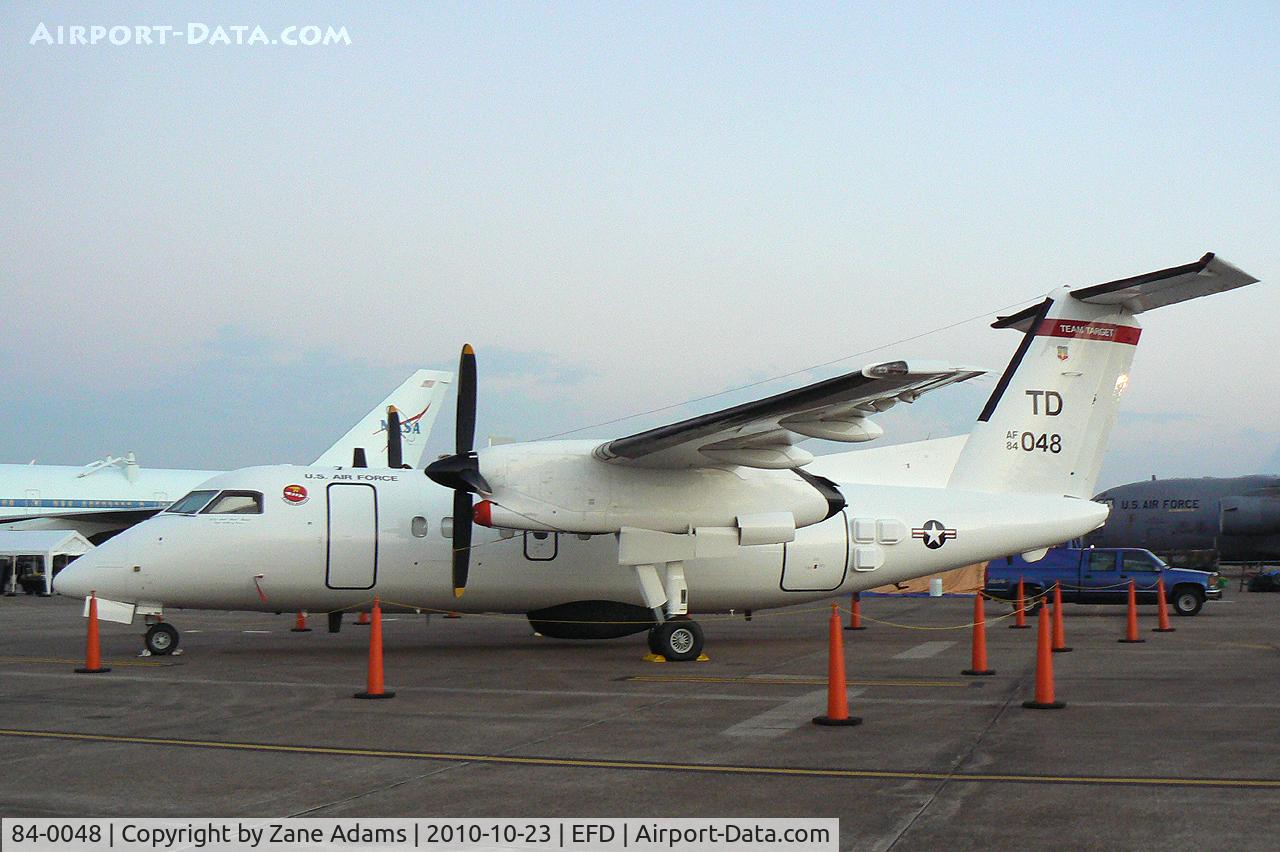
(1208,519)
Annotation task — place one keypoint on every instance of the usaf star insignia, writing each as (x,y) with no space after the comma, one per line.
(934,534)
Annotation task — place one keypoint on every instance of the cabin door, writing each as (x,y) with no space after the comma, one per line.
(352,561)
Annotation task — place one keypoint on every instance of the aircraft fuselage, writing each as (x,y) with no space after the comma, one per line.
(329,539)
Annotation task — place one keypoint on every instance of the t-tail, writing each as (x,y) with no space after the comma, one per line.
(418,401)
(1045,428)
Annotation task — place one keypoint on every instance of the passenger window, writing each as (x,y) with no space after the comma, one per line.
(191,503)
(1140,562)
(236,503)
(446,527)
(418,526)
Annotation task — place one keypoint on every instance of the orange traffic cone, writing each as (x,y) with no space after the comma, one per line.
(1020,612)
(363,619)
(1163,609)
(1131,628)
(837,694)
(1059,635)
(300,623)
(978,662)
(1044,669)
(92,652)
(452,615)
(855,613)
(373,685)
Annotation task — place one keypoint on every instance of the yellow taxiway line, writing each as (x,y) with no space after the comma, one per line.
(796,681)
(708,768)
(80,662)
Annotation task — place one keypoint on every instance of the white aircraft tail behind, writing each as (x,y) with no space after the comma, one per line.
(418,400)
(1045,428)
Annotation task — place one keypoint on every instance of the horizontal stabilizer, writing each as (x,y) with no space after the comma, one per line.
(1205,277)
(1208,275)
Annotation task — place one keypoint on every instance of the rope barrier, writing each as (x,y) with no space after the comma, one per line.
(1027,604)
(790,612)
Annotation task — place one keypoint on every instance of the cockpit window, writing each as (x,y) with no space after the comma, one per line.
(236,503)
(192,503)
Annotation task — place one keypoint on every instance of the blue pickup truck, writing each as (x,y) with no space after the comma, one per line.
(1101,575)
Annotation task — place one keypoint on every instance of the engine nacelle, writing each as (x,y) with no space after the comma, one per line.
(1249,515)
(561,487)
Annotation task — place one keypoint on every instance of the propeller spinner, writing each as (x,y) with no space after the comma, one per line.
(461,471)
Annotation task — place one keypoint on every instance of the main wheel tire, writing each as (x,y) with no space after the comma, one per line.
(1187,601)
(161,639)
(679,641)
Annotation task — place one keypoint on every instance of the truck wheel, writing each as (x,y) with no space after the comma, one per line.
(1032,598)
(1187,600)
(161,639)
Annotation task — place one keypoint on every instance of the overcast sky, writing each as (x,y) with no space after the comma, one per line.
(220,255)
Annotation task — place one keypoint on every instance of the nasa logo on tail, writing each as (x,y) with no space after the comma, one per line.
(410,427)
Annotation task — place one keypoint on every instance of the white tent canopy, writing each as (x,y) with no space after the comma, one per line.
(43,543)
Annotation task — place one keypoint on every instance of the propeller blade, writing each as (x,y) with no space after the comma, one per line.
(466,431)
(462,521)
(461,471)
(395,453)
(357,458)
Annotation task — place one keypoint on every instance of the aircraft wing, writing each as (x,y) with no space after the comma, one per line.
(122,517)
(762,434)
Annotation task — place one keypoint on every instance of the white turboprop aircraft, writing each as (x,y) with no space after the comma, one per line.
(721,512)
(104,497)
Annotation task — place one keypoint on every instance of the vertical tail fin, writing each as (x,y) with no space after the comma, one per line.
(418,399)
(1045,428)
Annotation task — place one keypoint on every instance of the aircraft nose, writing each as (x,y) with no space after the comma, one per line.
(99,571)
(76,580)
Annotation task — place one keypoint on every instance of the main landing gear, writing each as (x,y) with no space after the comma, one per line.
(678,640)
(674,637)
(161,639)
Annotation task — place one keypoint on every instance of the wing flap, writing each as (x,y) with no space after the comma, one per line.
(762,433)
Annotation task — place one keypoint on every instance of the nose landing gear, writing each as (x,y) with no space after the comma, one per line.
(161,639)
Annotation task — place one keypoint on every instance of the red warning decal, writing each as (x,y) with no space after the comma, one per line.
(295,494)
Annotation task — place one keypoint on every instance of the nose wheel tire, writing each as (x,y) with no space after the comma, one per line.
(161,639)
(679,641)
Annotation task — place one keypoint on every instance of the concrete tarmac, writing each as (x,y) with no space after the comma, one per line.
(1170,744)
